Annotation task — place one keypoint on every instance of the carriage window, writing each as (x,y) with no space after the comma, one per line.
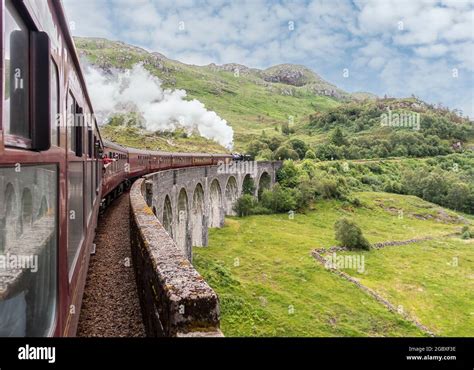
(71,122)
(54,104)
(90,143)
(16,54)
(28,251)
(75,211)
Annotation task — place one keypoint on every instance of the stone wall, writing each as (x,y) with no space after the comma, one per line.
(175,300)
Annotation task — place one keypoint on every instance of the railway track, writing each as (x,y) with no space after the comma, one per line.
(110,306)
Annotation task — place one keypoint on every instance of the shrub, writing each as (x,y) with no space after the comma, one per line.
(279,199)
(331,188)
(265,155)
(310,154)
(244,205)
(255,147)
(466,233)
(356,202)
(350,235)
(288,175)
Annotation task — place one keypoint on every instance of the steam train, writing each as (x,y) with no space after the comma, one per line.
(56,172)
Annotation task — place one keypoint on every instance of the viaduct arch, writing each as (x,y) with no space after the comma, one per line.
(189,201)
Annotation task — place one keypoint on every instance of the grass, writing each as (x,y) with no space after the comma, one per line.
(433,281)
(269,285)
(136,138)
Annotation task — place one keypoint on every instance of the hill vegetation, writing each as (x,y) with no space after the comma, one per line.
(284,112)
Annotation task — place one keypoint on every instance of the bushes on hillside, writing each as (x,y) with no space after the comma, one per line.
(349,235)
(244,205)
(466,233)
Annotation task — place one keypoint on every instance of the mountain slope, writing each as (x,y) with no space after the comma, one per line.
(251,100)
(274,107)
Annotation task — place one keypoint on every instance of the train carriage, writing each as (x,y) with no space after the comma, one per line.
(50,172)
(115,171)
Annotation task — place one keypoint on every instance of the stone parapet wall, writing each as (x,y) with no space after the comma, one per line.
(175,300)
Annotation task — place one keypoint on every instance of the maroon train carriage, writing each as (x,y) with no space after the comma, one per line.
(139,161)
(50,173)
(115,171)
(55,170)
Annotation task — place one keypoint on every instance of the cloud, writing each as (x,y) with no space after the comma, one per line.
(162,109)
(382,43)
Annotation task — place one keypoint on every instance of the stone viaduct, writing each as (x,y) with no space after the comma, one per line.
(170,212)
(189,201)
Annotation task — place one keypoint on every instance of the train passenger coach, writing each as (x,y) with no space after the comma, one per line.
(50,172)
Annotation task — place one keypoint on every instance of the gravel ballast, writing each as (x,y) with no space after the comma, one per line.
(110,306)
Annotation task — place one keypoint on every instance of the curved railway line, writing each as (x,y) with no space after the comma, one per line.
(110,306)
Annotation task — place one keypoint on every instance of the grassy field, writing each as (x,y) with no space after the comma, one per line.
(270,285)
(433,281)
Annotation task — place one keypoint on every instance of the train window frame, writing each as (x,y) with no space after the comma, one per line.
(55,113)
(90,142)
(29,111)
(17,140)
(71,118)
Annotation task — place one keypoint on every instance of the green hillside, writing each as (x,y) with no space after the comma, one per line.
(248,100)
(271,109)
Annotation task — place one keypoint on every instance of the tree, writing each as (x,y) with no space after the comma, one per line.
(350,235)
(248,186)
(457,196)
(288,174)
(274,143)
(285,152)
(255,147)
(244,205)
(337,137)
(299,146)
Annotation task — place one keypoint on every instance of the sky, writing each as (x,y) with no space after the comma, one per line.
(386,47)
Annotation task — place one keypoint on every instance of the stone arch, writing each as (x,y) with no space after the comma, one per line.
(182,226)
(9,233)
(43,209)
(264,183)
(26,209)
(215,206)
(231,195)
(197,216)
(168,216)
(248,185)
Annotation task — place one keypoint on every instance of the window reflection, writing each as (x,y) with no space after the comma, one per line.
(28,251)
(16,54)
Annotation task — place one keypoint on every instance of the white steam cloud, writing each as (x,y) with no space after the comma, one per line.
(162,109)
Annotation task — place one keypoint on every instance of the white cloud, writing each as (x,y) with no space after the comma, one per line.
(388,45)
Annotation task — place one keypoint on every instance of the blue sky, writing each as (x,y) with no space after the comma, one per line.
(393,47)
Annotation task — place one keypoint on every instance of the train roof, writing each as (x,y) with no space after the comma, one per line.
(112,145)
